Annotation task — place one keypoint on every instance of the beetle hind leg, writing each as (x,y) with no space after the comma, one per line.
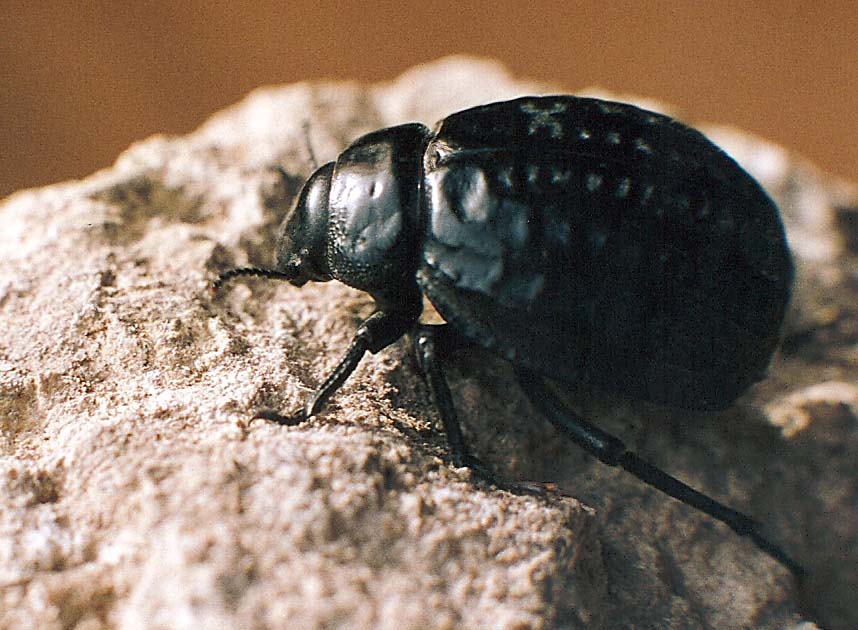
(613,452)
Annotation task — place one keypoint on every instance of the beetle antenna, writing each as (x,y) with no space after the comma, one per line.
(226,276)
(306,128)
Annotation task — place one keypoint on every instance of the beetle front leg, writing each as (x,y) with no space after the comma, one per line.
(378,331)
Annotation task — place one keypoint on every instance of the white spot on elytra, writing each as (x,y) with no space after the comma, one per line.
(542,118)
(594,181)
(642,146)
(613,137)
(584,133)
(505,177)
(623,188)
(532,173)
(560,177)
(610,108)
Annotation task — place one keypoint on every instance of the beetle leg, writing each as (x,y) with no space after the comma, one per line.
(426,339)
(612,451)
(378,331)
(431,344)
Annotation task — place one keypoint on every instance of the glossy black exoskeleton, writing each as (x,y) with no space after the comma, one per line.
(582,240)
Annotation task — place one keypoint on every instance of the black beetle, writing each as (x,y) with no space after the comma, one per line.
(583,240)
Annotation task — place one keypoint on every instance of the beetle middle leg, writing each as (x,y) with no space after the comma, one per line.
(432,343)
(612,451)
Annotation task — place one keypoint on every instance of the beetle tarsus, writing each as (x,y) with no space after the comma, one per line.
(777,553)
(273,416)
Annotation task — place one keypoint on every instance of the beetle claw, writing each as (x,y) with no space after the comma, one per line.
(273,416)
(485,474)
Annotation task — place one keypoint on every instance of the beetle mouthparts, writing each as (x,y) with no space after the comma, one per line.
(226,276)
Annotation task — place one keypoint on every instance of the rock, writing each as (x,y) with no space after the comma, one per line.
(137,493)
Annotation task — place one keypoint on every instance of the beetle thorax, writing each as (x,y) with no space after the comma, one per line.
(373,216)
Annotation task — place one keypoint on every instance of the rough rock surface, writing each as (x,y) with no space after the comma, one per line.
(136,493)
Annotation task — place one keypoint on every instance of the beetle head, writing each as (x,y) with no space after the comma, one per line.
(303,236)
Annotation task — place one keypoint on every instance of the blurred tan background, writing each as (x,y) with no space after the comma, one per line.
(81,81)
